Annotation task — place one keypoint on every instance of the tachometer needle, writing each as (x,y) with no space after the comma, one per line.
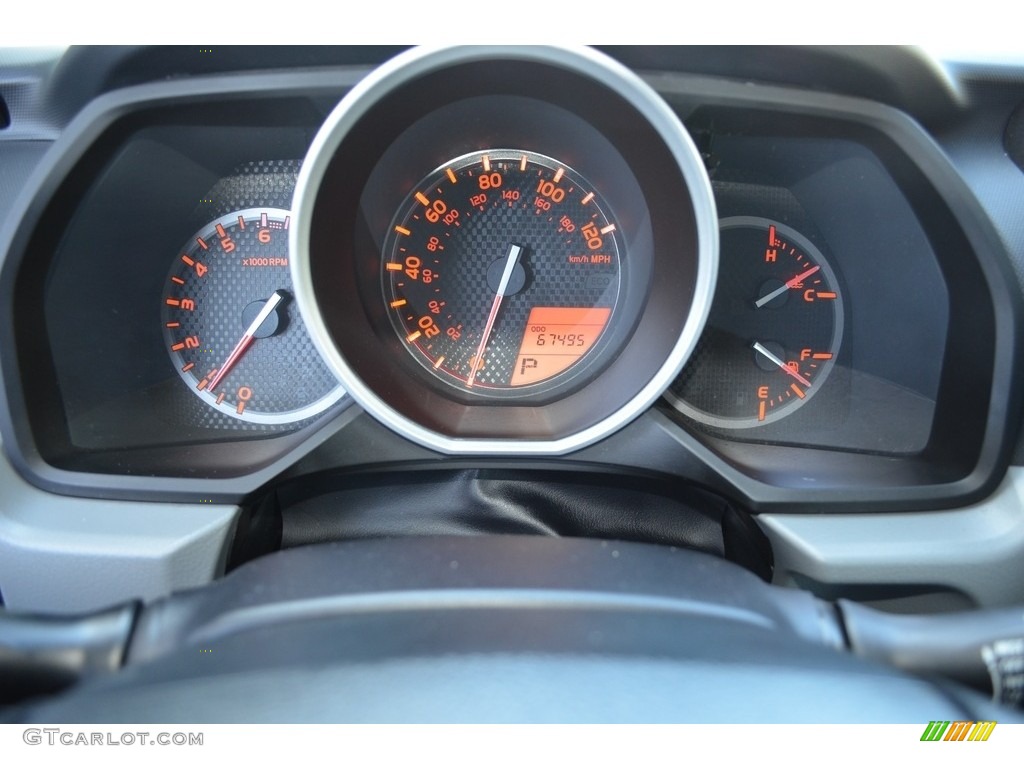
(247,338)
(759,347)
(510,264)
(786,286)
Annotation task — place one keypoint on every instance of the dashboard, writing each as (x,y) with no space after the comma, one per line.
(266,298)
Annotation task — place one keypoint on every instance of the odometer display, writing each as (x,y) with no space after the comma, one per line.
(501,272)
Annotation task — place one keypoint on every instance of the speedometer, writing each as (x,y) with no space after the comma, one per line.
(504,250)
(502,271)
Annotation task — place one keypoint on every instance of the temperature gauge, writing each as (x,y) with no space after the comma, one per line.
(773,334)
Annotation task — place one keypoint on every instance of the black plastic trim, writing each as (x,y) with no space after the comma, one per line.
(16,239)
(1004,391)
(1013,138)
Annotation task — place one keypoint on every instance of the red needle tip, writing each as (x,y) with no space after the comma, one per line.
(247,338)
(510,262)
(802,276)
(233,358)
(796,375)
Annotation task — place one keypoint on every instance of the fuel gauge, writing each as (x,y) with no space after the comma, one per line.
(774,331)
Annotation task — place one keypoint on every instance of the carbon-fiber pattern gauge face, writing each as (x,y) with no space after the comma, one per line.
(501,272)
(774,332)
(232,329)
(542,285)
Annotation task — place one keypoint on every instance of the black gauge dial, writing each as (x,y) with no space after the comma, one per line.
(774,331)
(232,329)
(501,272)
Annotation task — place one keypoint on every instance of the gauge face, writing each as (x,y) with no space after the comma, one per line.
(773,334)
(501,272)
(232,329)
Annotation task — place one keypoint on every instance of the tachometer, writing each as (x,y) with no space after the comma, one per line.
(501,272)
(231,328)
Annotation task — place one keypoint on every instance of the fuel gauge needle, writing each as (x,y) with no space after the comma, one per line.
(759,347)
(510,264)
(247,338)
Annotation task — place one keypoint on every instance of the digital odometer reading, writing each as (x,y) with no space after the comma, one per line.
(501,271)
(555,338)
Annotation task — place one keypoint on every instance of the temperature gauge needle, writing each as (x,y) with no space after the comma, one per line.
(247,338)
(758,346)
(510,264)
(786,286)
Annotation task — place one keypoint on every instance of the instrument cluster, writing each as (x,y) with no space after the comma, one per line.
(509,254)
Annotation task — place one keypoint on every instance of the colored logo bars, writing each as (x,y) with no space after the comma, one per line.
(939,730)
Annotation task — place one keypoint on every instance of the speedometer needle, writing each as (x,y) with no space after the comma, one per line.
(758,346)
(510,264)
(247,338)
(786,286)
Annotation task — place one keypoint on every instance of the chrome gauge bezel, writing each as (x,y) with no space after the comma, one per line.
(578,64)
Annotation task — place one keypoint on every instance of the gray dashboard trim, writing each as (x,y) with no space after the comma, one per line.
(977,550)
(66,555)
